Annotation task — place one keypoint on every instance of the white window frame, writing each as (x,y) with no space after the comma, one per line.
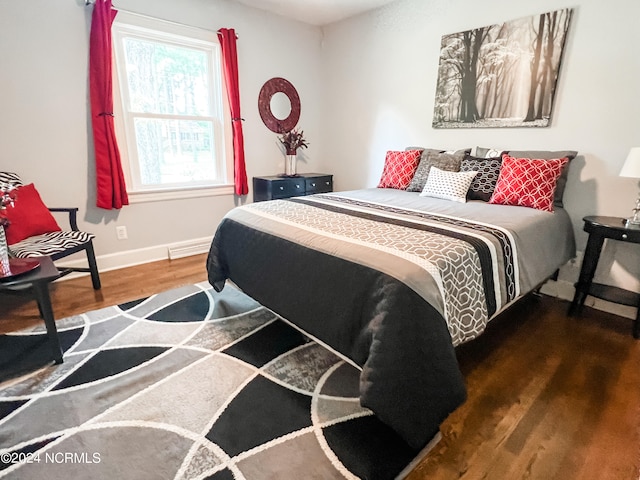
(129,24)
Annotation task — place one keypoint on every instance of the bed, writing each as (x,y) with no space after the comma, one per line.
(393,281)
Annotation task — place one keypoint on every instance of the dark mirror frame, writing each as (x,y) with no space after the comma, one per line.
(268,90)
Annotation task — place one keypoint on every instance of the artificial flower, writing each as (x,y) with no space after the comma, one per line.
(7,197)
(293,140)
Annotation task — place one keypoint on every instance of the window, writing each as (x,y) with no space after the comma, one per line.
(170,108)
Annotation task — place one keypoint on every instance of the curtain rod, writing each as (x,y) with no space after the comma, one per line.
(91,2)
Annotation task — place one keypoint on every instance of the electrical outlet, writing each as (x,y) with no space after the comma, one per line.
(121,233)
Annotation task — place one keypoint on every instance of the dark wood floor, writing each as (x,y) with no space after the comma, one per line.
(74,296)
(549,397)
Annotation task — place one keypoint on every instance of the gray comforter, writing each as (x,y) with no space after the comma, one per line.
(393,281)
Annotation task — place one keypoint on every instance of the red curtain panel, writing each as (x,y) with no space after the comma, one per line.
(227,38)
(111,188)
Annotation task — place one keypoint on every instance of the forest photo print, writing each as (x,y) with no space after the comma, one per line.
(501,75)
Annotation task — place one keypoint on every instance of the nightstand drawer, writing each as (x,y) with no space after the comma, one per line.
(319,185)
(289,187)
(614,229)
(626,236)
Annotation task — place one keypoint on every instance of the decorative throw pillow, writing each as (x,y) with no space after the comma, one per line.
(528,182)
(399,168)
(449,161)
(484,152)
(448,185)
(484,183)
(29,216)
(423,150)
(550,155)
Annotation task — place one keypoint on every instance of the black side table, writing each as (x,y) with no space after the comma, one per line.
(600,228)
(38,281)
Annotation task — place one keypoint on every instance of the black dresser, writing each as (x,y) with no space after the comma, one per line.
(274,187)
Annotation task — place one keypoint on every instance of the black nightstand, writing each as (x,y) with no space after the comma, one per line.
(274,187)
(600,228)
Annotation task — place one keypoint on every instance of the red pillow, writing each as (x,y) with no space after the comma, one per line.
(399,168)
(28,216)
(528,182)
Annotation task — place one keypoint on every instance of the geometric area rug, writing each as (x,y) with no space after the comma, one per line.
(187,384)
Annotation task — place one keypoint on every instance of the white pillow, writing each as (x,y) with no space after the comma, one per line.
(448,185)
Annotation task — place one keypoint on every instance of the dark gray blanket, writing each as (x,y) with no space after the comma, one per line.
(410,376)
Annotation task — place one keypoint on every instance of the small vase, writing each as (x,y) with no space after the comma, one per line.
(5,267)
(290,164)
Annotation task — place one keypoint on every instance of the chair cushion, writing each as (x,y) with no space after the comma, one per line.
(50,243)
(10,178)
(29,216)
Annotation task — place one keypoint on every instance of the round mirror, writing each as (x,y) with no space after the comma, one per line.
(280,106)
(279,116)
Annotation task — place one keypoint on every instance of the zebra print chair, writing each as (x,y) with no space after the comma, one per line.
(57,245)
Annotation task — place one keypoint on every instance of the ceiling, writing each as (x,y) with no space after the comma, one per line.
(316,12)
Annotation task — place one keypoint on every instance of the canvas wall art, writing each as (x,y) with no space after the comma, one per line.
(501,75)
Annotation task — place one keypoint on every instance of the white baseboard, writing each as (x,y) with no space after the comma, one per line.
(185,249)
(130,258)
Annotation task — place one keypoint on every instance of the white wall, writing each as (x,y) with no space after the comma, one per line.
(380,81)
(44,119)
(366,84)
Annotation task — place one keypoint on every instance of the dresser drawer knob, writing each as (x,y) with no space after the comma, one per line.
(326,183)
(297,186)
(281,188)
(313,184)
(624,236)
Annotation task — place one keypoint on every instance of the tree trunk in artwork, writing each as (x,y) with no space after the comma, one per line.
(550,74)
(535,65)
(472,41)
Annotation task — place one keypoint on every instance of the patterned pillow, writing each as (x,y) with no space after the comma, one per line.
(550,155)
(484,152)
(449,161)
(399,168)
(484,183)
(528,182)
(448,185)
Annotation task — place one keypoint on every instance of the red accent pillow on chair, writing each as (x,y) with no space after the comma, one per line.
(29,216)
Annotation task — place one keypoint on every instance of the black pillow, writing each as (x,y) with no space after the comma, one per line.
(488,170)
